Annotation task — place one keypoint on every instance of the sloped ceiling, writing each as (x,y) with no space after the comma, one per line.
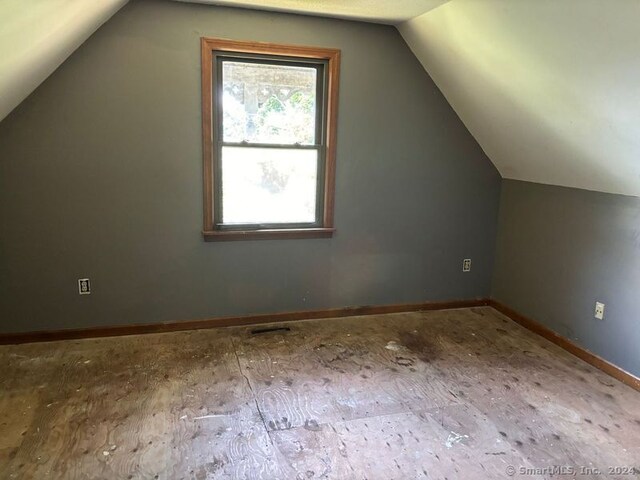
(550,89)
(36,36)
(381,11)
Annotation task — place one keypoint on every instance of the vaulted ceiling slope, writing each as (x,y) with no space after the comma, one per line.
(380,11)
(38,35)
(550,90)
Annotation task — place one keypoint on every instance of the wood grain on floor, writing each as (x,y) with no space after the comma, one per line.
(448,394)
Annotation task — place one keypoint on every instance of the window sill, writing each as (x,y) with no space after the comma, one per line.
(228,235)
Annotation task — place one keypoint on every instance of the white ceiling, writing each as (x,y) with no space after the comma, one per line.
(382,11)
(550,89)
(38,35)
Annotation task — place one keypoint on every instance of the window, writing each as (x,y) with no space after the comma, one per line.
(269,139)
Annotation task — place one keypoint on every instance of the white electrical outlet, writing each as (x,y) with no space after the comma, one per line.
(84,286)
(466,265)
(599,314)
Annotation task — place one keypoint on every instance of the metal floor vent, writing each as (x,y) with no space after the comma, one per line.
(258,331)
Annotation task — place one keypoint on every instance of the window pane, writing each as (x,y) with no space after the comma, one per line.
(268,103)
(268,185)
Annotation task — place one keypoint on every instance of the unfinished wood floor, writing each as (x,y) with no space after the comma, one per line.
(451,394)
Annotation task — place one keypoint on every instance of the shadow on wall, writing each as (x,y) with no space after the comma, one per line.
(561,250)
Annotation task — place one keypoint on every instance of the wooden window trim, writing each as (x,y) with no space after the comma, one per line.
(332,56)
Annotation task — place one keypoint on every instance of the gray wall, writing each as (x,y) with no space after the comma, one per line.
(562,249)
(100,176)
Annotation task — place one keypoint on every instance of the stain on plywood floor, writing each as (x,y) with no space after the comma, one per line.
(450,394)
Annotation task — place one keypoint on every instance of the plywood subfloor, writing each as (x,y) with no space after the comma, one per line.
(450,394)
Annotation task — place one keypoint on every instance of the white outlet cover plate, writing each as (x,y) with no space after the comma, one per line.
(599,313)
